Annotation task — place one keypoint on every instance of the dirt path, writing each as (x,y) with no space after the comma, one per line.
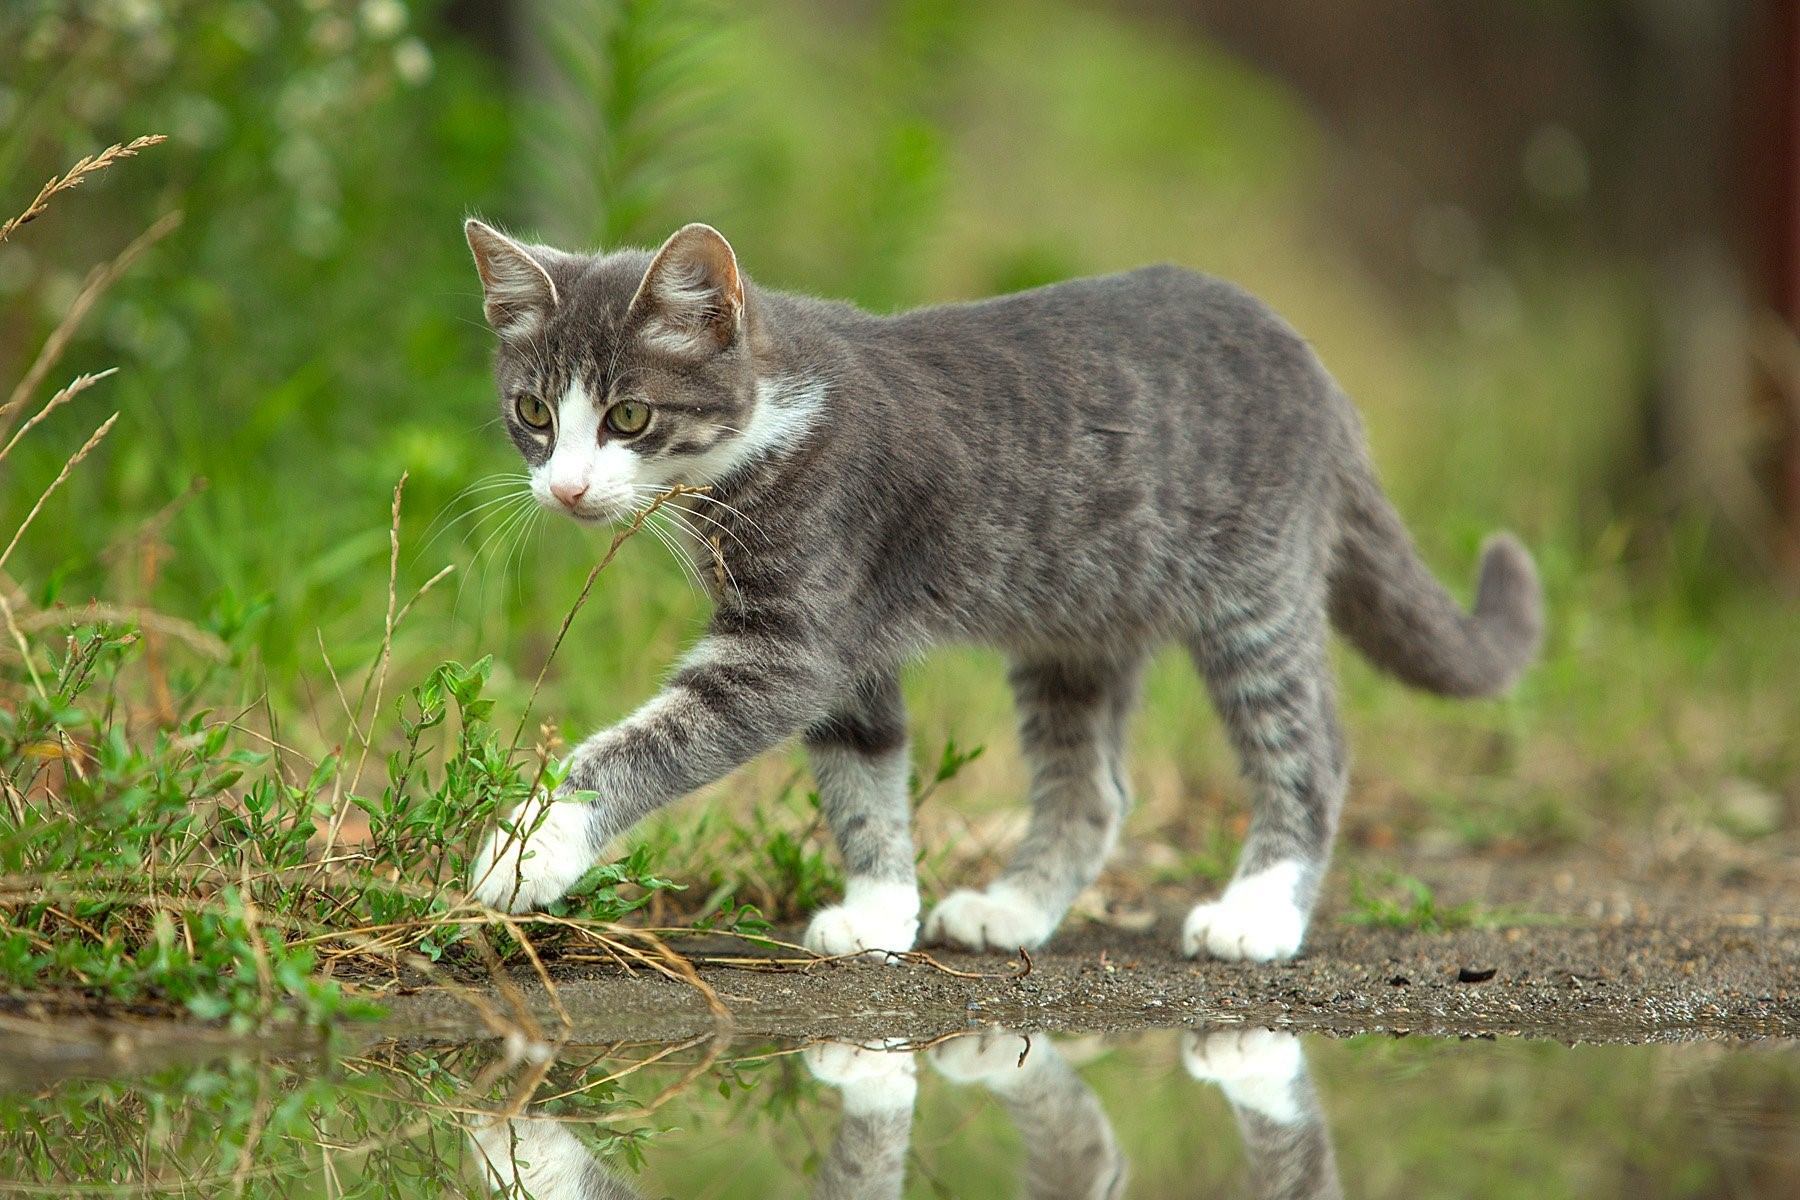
(1583,948)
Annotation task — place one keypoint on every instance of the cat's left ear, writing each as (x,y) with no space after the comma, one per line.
(517,292)
(691,302)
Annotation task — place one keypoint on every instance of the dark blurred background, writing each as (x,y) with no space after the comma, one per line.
(1552,247)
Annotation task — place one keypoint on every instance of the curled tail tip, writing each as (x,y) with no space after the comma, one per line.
(1509,607)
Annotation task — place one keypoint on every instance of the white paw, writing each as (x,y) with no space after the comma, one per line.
(544,856)
(1257,919)
(990,1057)
(879,919)
(871,1077)
(1000,918)
(1255,1068)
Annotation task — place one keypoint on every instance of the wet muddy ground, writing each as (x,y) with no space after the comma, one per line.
(1577,949)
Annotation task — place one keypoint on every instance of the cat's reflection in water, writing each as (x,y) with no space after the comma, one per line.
(878,1084)
(539,1157)
(1263,1076)
(1070,1150)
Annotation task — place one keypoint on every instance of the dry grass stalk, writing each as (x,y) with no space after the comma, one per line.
(340,799)
(24,648)
(69,391)
(98,281)
(97,612)
(74,460)
(379,678)
(93,164)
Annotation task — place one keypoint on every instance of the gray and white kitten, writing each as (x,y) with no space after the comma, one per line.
(1075,474)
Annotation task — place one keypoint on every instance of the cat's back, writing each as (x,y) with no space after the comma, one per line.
(1159,340)
(1162,301)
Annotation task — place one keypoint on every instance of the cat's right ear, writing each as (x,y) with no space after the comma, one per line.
(691,300)
(517,292)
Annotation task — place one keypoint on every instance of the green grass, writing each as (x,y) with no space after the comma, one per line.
(187,870)
(1395,900)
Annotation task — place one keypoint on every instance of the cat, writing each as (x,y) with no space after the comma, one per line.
(1076,474)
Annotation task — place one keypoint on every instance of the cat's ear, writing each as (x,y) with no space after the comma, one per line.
(518,293)
(691,302)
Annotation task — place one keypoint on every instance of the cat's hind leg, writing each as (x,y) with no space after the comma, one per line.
(1071,1151)
(860,763)
(1072,719)
(1266,668)
(878,1084)
(1263,1075)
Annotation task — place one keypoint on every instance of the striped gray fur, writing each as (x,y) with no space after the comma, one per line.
(860,762)
(867,1158)
(1075,474)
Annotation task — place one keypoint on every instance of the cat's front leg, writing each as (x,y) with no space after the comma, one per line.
(734,696)
(860,762)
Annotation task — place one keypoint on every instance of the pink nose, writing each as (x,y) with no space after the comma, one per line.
(569,493)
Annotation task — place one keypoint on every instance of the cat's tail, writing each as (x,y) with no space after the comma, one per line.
(1390,606)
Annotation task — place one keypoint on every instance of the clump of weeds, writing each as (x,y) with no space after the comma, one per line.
(157,852)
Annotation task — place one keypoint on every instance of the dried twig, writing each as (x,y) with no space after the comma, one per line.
(24,648)
(378,679)
(808,959)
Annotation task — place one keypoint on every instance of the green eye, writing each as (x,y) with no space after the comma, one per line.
(627,417)
(533,412)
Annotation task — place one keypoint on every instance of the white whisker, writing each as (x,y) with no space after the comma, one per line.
(477,514)
(716,524)
(734,511)
(717,556)
(513,515)
(514,554)
(689,573)
(500,510)
(487,483)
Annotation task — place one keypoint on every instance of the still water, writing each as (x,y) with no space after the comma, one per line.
(1228,1112)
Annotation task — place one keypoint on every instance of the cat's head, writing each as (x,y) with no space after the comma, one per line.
(622,374)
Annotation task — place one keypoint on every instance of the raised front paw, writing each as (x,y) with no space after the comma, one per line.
(1257,919)
(1255,1068)
(1000,918)
(545,853)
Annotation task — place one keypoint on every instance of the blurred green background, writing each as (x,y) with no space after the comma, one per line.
(1518,253)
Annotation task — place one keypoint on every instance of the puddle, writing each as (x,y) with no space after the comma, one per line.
(1232,1112)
